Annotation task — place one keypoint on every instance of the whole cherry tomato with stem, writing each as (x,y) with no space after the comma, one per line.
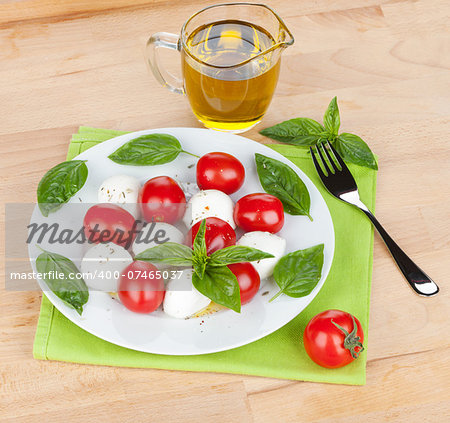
(333,338)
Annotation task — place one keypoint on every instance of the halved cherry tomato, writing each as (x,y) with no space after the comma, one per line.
(220,171)
(333,338)
(219,234)
(141,287)
(109,223)
(248,279)
(259,212)
(162,200)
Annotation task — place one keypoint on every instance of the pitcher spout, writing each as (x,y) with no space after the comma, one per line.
(285,37)
(282,37)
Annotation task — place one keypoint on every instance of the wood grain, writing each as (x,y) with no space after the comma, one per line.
(69,63)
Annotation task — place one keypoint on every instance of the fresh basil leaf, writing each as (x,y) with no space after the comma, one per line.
(354,150)
(59,274)
(60,184)
(170,252)
(199,244)
(220,285)
(299,131)
(236,254)
(307,140)
(331,119)
(200,253)
(281,181)
(298,273)
(148,150)
(199,267)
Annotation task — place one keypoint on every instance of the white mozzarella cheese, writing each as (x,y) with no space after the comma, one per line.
(102,266)
(209,203)
(122,190)
(269,243)
(182,300)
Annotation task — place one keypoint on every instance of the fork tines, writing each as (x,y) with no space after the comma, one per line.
(332,165)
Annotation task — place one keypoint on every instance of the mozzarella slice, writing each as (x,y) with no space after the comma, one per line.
(269,243)
(102,266)
(182,300)
(122,190)
(156,233)
(209,203)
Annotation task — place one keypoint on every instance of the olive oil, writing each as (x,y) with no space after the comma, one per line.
(228,82)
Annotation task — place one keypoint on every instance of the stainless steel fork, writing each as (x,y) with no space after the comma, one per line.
(340,182)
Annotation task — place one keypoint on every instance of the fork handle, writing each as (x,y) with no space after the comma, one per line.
(419,281)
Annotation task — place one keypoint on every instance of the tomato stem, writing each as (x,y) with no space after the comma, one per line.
(352,342)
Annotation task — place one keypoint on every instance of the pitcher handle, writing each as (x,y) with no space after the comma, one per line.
(165,78)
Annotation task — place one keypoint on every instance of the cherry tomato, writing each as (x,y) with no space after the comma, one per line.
(109,223)
(220,171)
(333,338)
(259,212)
(141,287)
(248,279)
(219,234)
(162,200)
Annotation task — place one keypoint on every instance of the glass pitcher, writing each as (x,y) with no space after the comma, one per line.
(230,56)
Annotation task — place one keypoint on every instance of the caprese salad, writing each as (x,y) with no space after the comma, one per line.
(163,246)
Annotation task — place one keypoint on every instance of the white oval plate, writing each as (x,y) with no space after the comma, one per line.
(158,333)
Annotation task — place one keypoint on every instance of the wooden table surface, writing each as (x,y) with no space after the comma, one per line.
(69,63)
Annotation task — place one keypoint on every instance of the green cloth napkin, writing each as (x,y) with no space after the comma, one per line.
(279,355)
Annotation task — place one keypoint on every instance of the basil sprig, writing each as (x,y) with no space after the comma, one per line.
(148,150)
(60,275)
(211,277)
(298,273)
(306,132)
(281,181)
(60,184)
